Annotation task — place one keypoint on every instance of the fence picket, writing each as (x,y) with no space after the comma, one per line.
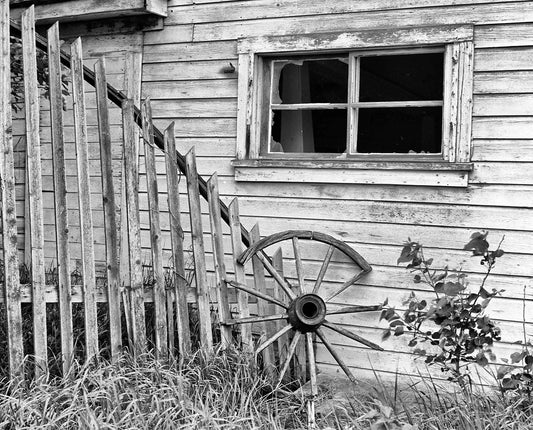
(35,190)
(110,221)
(262,305)
(202,287)
(155,232)
(60,198)
(84,197)
(131,177)
(8,204)
(132,88)
(176,238)
(240,277)
(283,341)
(218,257)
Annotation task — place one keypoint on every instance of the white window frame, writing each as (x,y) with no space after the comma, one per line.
(457,42)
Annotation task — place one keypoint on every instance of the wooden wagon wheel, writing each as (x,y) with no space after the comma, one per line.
(306,313)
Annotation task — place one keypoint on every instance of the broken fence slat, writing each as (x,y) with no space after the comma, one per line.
(283,341)
(263,308)
(176,239)
(161,332)
(110,221)
(136,299)
(202,287)
(218,257)
(242,296)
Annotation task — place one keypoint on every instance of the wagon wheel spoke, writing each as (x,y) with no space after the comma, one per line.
(255,293)
(312,364)
(354,309)
(272,339)
(347,284)
(284,284)
(298,262)
(323,269)
(335,355)
(257,319)
(352,335)
(290,353)
(311,419)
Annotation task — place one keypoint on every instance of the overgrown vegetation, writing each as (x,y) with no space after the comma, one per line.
(227,390)
(454,323)
(17,74)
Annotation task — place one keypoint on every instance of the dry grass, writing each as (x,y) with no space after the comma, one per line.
(221,391)
(225,390)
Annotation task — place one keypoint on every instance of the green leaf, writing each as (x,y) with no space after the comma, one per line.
(386,334)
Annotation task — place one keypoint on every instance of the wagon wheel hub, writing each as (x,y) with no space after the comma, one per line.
(307,312)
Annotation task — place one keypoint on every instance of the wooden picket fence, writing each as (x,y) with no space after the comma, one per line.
(124,302)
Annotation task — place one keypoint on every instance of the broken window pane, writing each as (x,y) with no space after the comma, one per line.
(402,77)
(309,131)
(399,130)
(310,81)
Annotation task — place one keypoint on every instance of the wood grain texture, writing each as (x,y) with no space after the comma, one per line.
(57,148)
(161,331)
(9,216)
(262,305)
(357,39)
(136,296)
(224,311)
(33,157)
(202,287)
(238,269)
(84,197)
(483,13)
(176,233)
(218,11)
(109,205)
(283,341)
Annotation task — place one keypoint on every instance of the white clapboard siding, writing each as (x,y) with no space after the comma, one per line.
(374,219)
(187,74)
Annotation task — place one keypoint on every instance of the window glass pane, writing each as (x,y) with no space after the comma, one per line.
(399,130)
(309,131)
(310,81)
(402,77)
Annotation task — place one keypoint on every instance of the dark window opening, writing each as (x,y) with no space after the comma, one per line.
(390,78)
(394,105)
(311,81)
(400,130)
(309,131)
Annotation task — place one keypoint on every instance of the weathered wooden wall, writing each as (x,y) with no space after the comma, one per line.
(183,74)
(115,48)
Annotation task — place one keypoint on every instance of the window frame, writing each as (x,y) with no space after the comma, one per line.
(457,42)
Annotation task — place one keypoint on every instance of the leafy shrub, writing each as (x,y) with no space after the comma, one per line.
(454,324)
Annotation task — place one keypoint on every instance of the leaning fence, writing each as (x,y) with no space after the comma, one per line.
(170,293)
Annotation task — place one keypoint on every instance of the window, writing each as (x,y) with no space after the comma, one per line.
(380,102)
(389,97)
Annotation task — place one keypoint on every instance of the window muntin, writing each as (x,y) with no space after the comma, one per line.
(397,93)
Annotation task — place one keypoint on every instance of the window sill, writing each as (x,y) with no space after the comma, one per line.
(426,173)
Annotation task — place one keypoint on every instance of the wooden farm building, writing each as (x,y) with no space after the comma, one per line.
(371,121)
